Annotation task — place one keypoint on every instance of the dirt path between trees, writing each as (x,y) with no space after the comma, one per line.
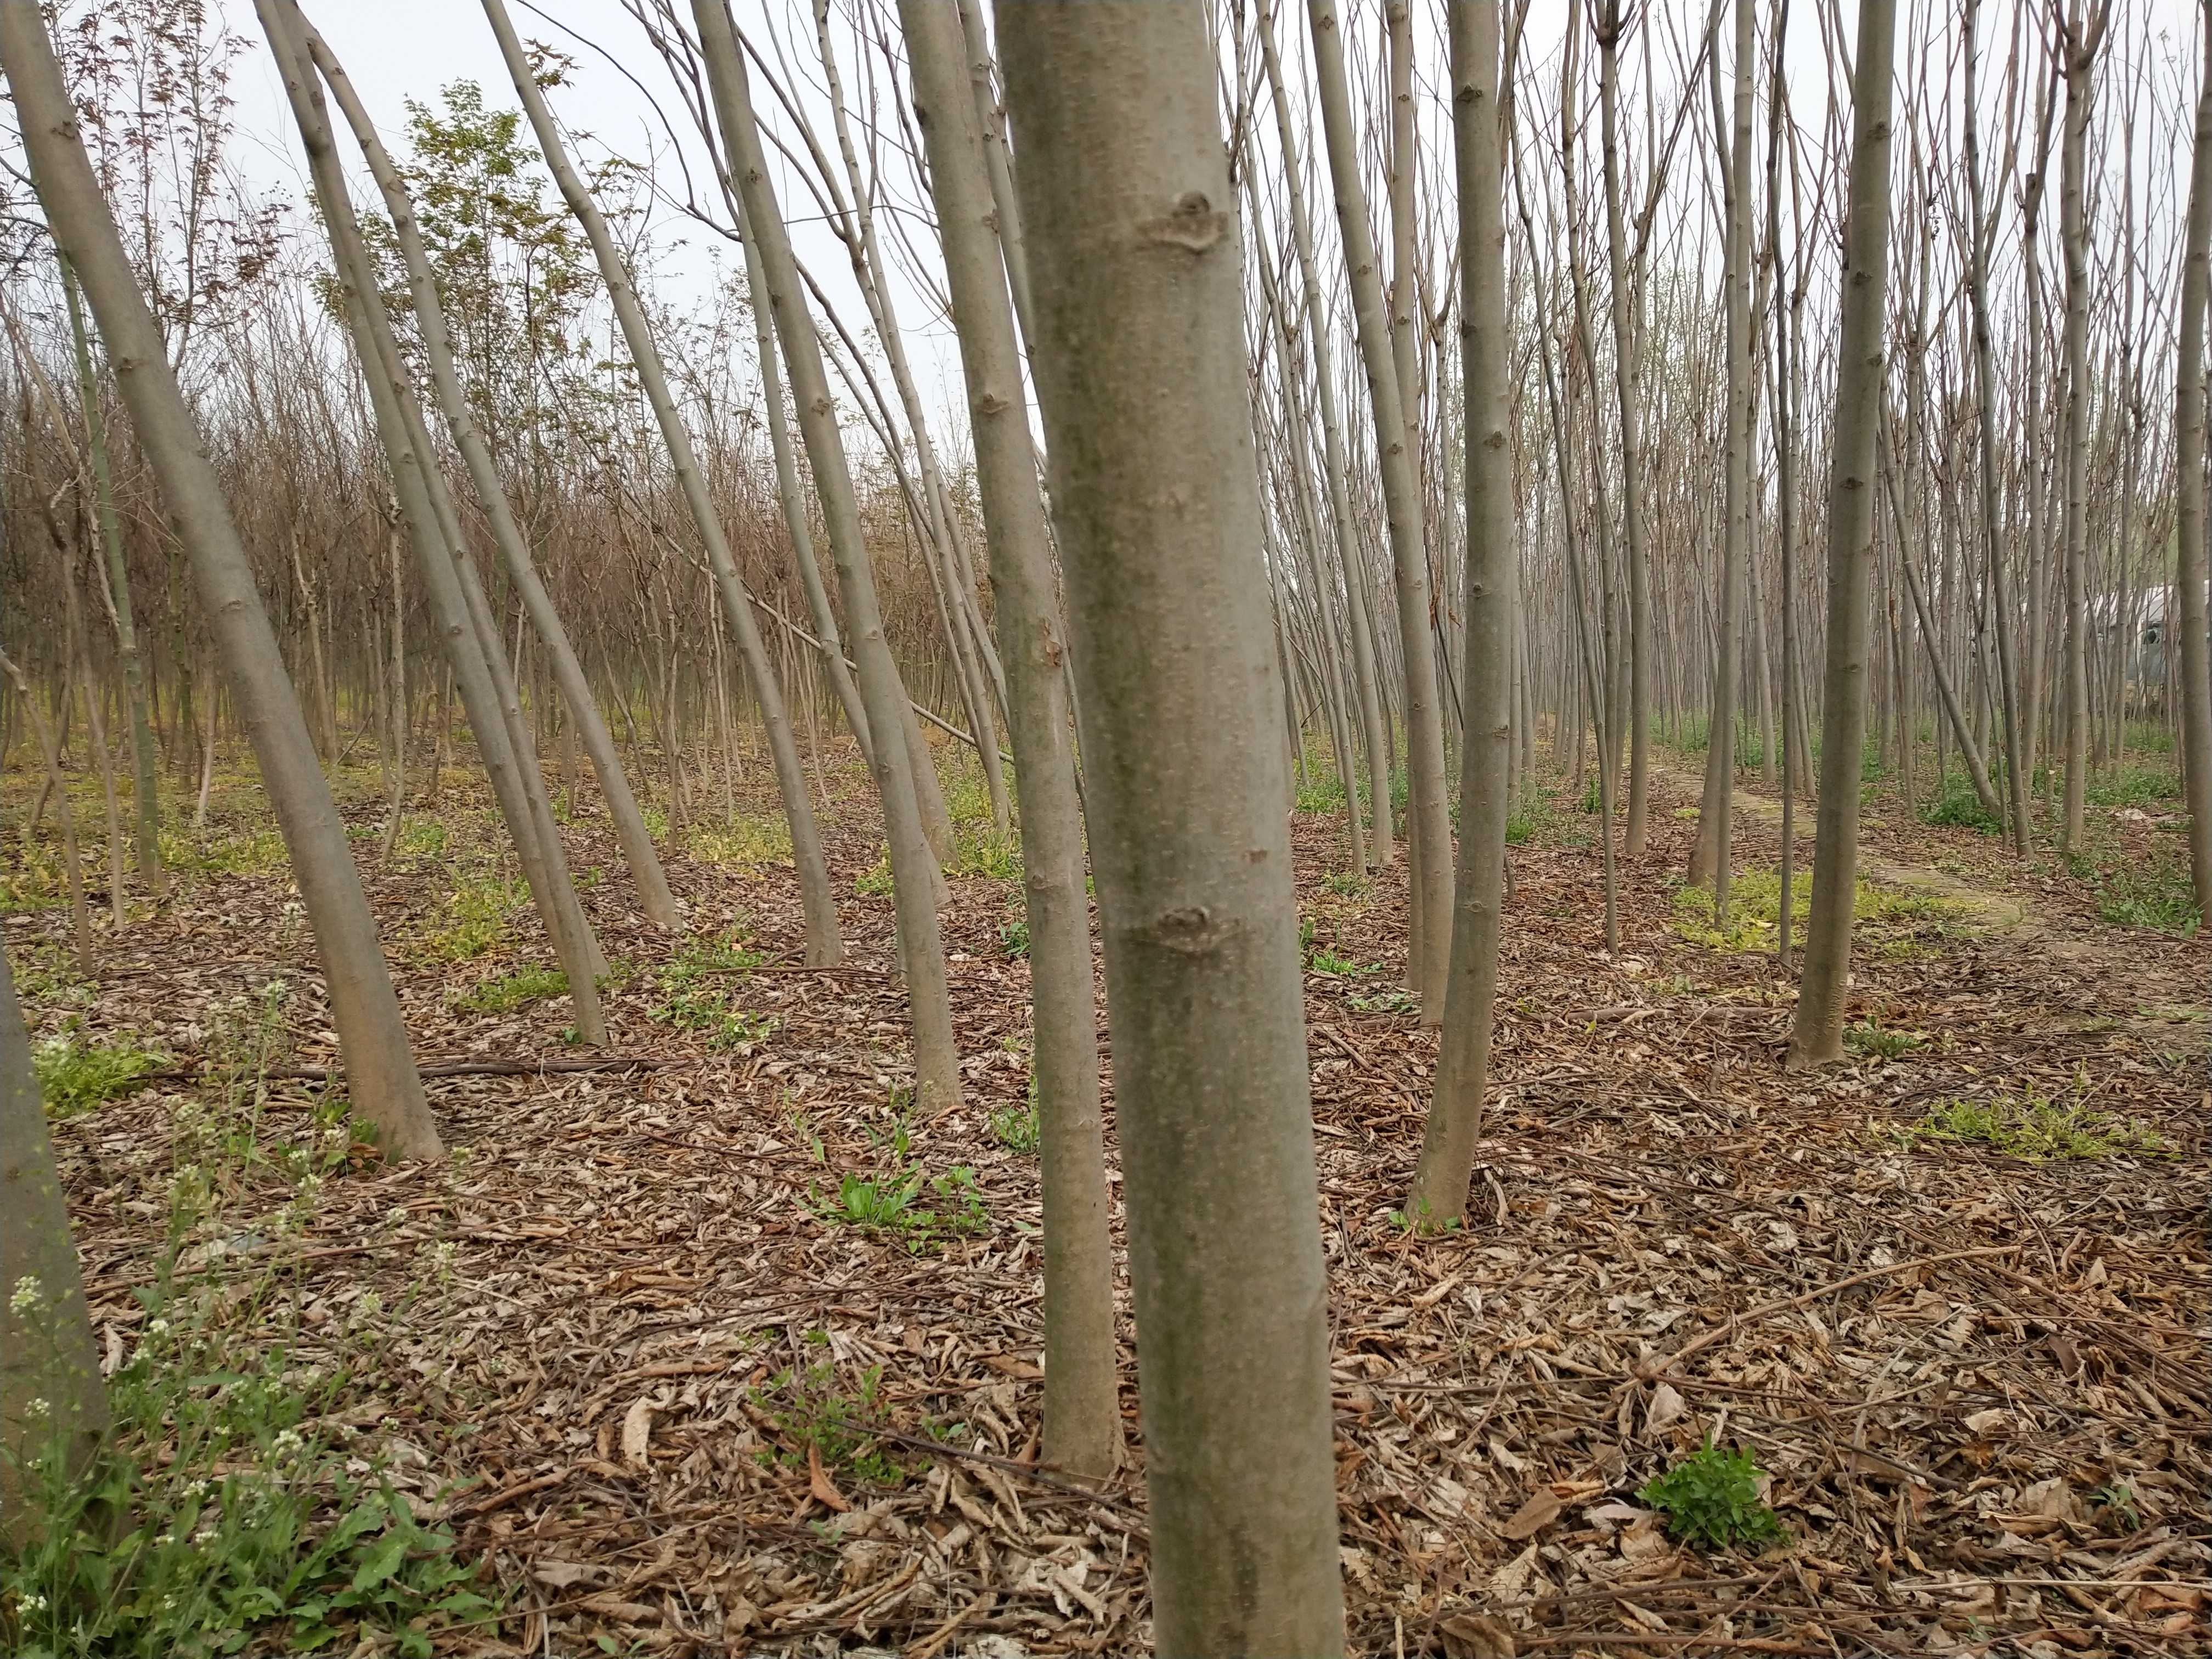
(2164,999)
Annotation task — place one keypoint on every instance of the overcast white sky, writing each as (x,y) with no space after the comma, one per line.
(396,49)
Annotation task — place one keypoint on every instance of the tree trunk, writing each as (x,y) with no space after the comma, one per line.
(1985,396)
(1428,823)
(1082,1413)
(2190,573)
(1366,671)
(915,871)
(638,850)
(1817,1036)
(824,946)
(1709,855)
(145,790)
(48,1352)
(380,1076)
(1454,1122)
(469,634)
(2079,38)
(1141,373)
(1629,391)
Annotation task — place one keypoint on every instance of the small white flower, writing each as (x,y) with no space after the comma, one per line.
(205,1535)
(33,1604)
(195,1489)
(287,1445)
(395,1216)
(38,1410)
(156,1328)
(27,1294)
(164,1539)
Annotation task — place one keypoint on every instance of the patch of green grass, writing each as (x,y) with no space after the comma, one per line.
(2153,892)
(703,958)
(1019,1128)
(1755,910)
(1871,1038)
(748,841)
(893,1204)
(1345,883)
(76,1075)
(1711,1500)
(1014,937)
(237,853)
(691,1005)
(35,881)
(813,1412)
(1395,1000)
(476,914)
(875,881)
(509,991)
(231,1507)
(420,838)
(2039,1130)
(2138,784)
(1528,818)
(1328,963)
(656,822)
(46,976)
(1956,803)
(981,851)
(1322,792)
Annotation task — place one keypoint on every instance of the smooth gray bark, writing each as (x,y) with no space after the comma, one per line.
(145,792)
(915,871)
(2190,571)
(636,840)
(1428,821)
(52,1402)
(380,1076)
(1141,371)
(1817,1036)
(1709,855)
(1082,1413)
(1366,671)
(824,944)
(1628,390)
(1454,1122)
(2078,37)
(469,637)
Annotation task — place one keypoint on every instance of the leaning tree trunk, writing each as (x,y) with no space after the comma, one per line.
(48,1353)
(2190,517)
(1454,1124)
(1082,1413)
(1428,827)
(1817,1037)
(636,840)
(1141,368)
(824,946)
(471,635)
(915,871)
(380,1076)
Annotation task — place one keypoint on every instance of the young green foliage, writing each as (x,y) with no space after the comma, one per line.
(1711,1500)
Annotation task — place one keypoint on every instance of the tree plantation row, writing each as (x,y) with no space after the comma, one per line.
(1473,477)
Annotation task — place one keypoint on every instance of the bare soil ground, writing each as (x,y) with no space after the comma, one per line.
(627,1351)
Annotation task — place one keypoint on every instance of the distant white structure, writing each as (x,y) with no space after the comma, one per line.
(2141,630)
